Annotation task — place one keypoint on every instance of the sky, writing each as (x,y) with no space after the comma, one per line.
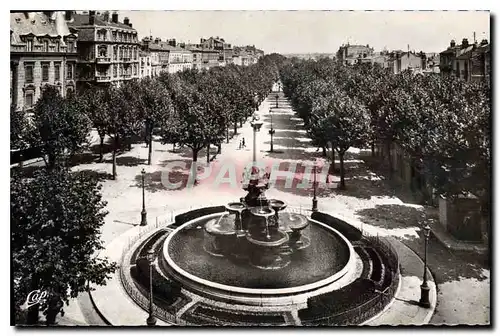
(316,31)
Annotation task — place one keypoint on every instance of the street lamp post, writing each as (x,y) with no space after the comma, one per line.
(256,124)
(151,321)
(271,131)
(424,288)
(315,184)
(143,212)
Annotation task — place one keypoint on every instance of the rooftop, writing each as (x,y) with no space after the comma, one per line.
(80,20)
(39,24)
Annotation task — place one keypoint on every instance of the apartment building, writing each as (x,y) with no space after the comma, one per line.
(43,50)
(108,49)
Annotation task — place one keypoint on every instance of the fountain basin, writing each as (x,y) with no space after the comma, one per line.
(234,281)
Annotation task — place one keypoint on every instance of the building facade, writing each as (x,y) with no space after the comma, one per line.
(350,54)
(400,61)
(171,57)
(145,65)
(108,49)
(470,62)
(43,50)
(218,44)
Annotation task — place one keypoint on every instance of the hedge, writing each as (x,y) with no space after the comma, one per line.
(339,301)
(223,315)
(190,215)
(164,288)
(349,231)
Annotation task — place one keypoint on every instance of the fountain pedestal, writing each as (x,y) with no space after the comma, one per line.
(264,251)
(220,237)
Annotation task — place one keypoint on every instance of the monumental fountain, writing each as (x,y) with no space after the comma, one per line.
(256,252)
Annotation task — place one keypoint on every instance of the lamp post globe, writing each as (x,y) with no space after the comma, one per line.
(151,320)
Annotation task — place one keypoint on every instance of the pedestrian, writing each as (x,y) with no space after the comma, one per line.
(243,142)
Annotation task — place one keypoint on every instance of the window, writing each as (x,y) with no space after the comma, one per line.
(115,68)
(45,72)
(28,73)
(69,71)
(103,51)
(458,69)
(71,46)
(58,46)
(29,45)
(57,72)
(113,34)
(28,99)
(115,52)
(46,46)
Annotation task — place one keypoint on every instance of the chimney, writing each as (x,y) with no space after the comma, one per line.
(68,15)
(484,42)
(172,42)
(91,18)
(126,21)
(114,18)
(202,40)
(452,44)
(465,43)
(106,16)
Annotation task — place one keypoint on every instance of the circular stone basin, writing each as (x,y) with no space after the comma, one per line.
(235,206)
(277,204)
(222,226)
(293,222)
(262,211)
(329,257)
(276,238)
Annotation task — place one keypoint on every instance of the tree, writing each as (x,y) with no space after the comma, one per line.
(95,101)
(56,219)
(60,126)
(152,102)
(124,121)
(18,128)
(347,124)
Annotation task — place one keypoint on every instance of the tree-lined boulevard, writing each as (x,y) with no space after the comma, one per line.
(59,214)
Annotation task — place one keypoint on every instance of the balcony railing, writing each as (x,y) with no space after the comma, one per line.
(126,76)
(101,78)
(103,59)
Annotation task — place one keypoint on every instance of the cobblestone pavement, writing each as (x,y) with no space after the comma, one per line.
(463,281)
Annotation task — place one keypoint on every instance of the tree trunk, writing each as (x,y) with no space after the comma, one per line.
(235,127)
(324,151)
(52,161)
(115,149)
(194,169)
(241,122)
(208,153)
(173,147)
(150,149)
(101,148)
(333,159)
(342,180)
(53,309)
(227,133)
(33,311)
(373,148)
(219,148)
(388,149)
(129,143)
